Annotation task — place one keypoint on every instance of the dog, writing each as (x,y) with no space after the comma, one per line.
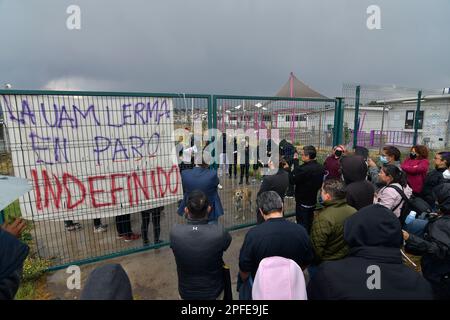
(243,202)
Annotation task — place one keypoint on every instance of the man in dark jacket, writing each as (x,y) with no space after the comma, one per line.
(275,237)
(108,282)
(278,182)
(435,177)
(198,248)
(287,151)
(12,256)
(374,268)
(435,245)
(360,192)
(244,160)
(308,179)
(232,153)
(206,180)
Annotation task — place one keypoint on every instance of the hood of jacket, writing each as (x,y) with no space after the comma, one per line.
(108,282)
(442,194)
(373,226)
(354,169)
(279,278)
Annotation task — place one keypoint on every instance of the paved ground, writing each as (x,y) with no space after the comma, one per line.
(152,274)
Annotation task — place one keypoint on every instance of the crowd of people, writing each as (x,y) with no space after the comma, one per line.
(355,223)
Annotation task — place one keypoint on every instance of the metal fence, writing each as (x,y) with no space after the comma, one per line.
(380,115)
(300,121)
(55,141)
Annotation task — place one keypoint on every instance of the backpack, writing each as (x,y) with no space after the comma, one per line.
(412,204)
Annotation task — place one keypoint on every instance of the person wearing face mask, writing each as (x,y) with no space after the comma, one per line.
(435,177)
(332,163)
(416,168)
(390,155)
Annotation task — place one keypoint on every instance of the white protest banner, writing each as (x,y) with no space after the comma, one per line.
(92,156)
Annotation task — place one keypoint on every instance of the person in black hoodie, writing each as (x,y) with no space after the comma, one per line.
(435,245)
(108,282)
(278,182)
(360,192)
(435,177)
(12,256)
(374,269)
(308,179)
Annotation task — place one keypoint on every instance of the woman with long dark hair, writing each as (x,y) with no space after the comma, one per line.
(392,177)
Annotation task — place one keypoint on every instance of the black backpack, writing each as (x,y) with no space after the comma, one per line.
(412,204)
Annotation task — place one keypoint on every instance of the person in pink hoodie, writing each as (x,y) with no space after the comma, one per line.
(279,278)
(416,168)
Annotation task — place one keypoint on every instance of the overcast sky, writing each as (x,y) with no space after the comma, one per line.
(223,46)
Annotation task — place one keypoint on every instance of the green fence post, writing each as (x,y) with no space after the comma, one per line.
(338,121)
(341,119)
(416,118)
(216,141)
(212,123)
(356,123)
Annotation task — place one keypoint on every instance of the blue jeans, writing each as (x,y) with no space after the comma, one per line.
(245,287)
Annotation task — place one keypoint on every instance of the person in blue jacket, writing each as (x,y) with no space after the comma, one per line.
(12,257)
(202,178)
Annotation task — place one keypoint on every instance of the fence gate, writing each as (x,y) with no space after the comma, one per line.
(112,155)
(299,121)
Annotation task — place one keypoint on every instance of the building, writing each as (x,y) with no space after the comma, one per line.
(391,121)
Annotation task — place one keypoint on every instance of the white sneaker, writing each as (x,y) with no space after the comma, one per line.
(219,186)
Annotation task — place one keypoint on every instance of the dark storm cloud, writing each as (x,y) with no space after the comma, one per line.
(226,46)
